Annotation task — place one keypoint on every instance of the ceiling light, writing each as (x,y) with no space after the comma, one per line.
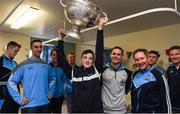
(27,16)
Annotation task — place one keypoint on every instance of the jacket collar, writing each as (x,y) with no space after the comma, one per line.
(121,67)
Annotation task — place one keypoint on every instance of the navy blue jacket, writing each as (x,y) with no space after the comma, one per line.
(86,94)
(173,75)
(6,67)
(148,92)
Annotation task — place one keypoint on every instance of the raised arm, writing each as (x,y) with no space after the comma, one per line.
(100,44)
(61,56)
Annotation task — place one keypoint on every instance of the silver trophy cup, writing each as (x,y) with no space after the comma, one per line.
(81,14)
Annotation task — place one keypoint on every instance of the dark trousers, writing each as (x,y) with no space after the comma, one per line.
(69,102)
(56,104)
(9,105)
(37,109)
(175,110)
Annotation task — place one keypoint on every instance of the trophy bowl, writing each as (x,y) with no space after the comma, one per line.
(81,14)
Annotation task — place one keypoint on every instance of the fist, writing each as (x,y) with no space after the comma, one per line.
(61,33)
(25,101)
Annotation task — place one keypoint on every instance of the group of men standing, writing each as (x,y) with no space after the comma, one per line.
(96,87)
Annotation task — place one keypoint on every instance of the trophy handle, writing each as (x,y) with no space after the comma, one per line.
(104,14)
(62,3)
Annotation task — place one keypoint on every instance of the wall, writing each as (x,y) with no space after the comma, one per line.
(158,39)
(21,39)
(69,47)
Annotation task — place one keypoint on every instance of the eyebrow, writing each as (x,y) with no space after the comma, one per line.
(38,46)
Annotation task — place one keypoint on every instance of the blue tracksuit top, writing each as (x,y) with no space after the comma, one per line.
(60,81)
(8,63)
(37,78)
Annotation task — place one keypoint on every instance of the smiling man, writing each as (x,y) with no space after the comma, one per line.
(38,80)
(149,89)
(173,73)
(116,82)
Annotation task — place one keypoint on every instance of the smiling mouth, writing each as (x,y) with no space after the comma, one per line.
(141,65)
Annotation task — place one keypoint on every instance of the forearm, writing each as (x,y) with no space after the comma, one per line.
(13,90)
(99,50)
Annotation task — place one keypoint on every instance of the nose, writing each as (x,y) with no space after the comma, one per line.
(39,48)
(87,60)
(140,62)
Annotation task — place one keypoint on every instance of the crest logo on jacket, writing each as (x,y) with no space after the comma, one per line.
(44,67)
(171,71)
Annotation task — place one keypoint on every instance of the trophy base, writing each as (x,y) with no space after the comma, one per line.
(74,32)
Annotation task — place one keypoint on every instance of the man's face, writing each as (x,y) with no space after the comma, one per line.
(175,56)
(36,49)
(141,60)
(87,60)
(152,58)
(116,56)
(13,51)
(71,58)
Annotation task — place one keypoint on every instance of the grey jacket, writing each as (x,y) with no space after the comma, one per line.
(116,83)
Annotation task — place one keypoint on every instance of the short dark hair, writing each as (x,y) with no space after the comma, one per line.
(34,41)
(117,47)
(13,44)
(154,52)
(86,52)
(140,50)
(72,53)
(174,47)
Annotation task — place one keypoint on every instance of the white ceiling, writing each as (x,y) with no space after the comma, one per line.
(52,16)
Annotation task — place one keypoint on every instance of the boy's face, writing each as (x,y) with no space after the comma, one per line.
(87,60)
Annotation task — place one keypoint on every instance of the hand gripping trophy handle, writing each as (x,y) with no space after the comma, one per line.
(103,14)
